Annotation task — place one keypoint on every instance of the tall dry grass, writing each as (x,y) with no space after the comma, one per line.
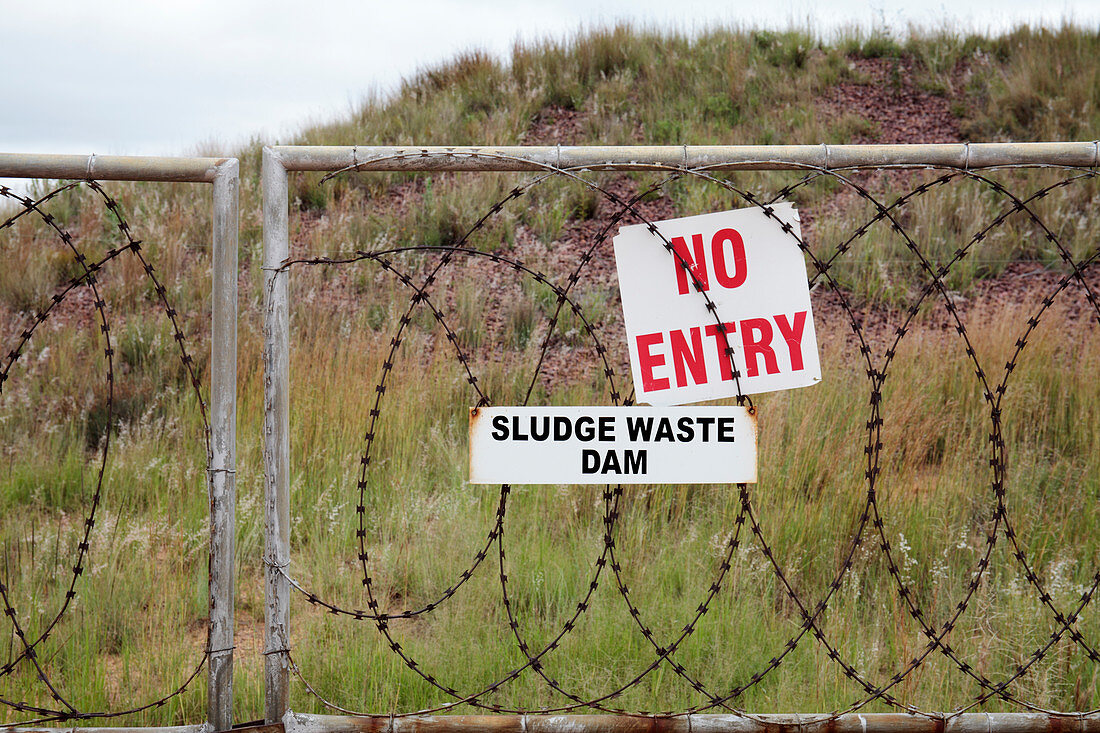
(136,626)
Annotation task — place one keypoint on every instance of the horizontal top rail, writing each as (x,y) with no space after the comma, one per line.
(714,157)
(111,167)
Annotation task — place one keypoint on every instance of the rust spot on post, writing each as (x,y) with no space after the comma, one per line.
(1066,724)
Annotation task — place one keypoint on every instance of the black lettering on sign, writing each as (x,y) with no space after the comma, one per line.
(516,434)
(639,428)
(536,433)
(687,432)
(686,429)
(563,428)
(633,462)
(607,428)
(664,431)
(725,429)
(585,429)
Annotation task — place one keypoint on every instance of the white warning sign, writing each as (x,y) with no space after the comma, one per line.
(749,265)
(612,445)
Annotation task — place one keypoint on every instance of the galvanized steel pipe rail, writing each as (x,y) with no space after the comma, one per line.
(967,156)
(223,173)
(115,167)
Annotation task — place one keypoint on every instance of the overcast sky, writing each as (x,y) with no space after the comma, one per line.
(169,77)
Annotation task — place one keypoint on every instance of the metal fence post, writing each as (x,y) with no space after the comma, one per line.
(223,173)
(276,439)
(223,430)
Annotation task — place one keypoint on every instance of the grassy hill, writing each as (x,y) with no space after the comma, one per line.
(137,620)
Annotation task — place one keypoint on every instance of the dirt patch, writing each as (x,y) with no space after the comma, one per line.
(1017,293)
(556,126)
(895,109)
(1026,284)
(76,310)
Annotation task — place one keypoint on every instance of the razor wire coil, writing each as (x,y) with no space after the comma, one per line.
(869,518)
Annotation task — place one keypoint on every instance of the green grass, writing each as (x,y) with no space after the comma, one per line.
(934,495)
(137,620)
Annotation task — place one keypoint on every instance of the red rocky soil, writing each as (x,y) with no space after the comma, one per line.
(898,110)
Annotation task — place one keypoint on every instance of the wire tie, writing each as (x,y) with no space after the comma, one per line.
(523,723)
(222,470)
(966,162)
(558,164)
(355,157)
(1095,153)
(685,163)
(826,147)
(90,167)
(391,722)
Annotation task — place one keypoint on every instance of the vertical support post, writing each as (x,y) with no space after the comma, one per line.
(223,442)
(276,439)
